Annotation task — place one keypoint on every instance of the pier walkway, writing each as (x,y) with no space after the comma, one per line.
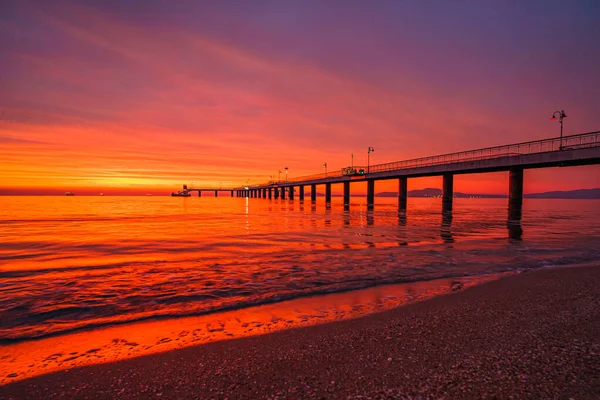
(573,150)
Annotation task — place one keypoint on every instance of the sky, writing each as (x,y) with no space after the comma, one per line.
(129,97)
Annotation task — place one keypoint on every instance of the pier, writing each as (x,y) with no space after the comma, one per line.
(573,150)
(566,151)
(216,191)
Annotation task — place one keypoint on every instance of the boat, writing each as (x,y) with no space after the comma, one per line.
(181,193)
(69,194)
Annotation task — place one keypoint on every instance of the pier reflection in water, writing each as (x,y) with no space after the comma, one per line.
(446,231)
(402,231)
(515,230)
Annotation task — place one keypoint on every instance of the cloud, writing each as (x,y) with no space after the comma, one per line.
(13,140)
(107,96)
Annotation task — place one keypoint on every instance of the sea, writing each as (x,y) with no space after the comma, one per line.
(74,265)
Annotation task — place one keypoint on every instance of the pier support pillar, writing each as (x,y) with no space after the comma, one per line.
(448,192)
(270,193)
(291,193)
(232,193)
(346,195)
(264,193)
(515,203)
(515,188)
(199,193)
(283,193)
(402,193)
(259,193)
(216,193)
(328,193)
(301,192)
(276,192)
(370,193)
(313,192)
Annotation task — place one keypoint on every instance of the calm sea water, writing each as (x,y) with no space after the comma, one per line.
(76,262)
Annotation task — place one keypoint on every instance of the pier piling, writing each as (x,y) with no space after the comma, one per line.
(515,190)
(448,191)
(370,193)
(402,192)
(347,195)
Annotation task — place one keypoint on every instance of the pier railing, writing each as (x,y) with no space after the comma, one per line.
(590,139)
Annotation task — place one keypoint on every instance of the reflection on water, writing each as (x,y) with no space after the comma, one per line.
(402,232)
(68,263)
(446,231)
(515,231)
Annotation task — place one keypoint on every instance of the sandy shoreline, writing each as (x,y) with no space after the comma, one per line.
(31,358)
(533,335)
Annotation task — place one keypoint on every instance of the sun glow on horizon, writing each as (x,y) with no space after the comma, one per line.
(115,102)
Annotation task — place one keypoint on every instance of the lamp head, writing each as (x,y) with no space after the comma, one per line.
(562,114)
(553,118)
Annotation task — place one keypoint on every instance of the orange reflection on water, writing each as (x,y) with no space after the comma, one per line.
(31,358)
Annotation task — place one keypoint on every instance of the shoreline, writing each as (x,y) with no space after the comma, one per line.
(29,358)
(535,334)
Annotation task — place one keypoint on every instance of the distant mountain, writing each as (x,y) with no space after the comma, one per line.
(435,192)
(570,194)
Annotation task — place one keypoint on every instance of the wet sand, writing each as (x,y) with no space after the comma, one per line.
(533,335)
(31,358)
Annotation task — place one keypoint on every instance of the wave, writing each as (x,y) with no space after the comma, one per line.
(269,299)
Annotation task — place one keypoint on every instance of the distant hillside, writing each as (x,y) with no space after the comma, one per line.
(571,194)
(435,192)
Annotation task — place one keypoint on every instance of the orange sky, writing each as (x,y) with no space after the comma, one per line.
(138,98)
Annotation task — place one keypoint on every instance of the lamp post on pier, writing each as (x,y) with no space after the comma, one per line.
(371,149)
(286,169)
(559,115)
(325,166)
(279,179)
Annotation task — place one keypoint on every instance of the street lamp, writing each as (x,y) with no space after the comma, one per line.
(371,149)
(560,115)
(352,160)
(279,179)
(325,166)
(286,169)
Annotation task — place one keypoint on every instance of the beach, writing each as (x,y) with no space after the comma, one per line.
(530,335)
